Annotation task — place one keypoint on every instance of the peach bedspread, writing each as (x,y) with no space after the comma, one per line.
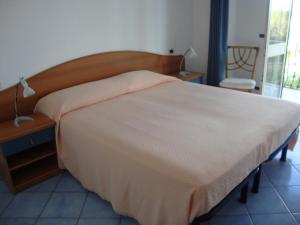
(170,152)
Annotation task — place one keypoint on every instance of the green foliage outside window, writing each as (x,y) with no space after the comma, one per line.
(279,25)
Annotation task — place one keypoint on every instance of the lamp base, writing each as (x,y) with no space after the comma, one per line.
(184,73)
(21,118)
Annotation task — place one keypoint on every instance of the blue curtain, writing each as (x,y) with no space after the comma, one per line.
(219,12)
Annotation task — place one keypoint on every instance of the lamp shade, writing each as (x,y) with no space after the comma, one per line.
(192,52)
(28,91)
(189,52)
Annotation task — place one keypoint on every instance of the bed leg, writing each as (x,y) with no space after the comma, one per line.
(256,181)
(284,153)
(244,193)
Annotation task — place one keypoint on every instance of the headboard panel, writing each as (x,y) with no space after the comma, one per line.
(82,70)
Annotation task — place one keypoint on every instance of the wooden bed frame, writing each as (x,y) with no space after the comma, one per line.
(82,70)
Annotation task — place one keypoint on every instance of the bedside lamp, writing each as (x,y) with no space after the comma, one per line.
(27,92)
(191,53)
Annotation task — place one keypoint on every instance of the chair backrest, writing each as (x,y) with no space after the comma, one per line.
(243,59)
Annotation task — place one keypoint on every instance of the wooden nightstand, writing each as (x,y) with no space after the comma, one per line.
(196,77)
(28,154)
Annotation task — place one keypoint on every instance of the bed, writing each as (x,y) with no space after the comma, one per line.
(162,150)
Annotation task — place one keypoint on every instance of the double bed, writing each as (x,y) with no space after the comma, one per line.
(162,150)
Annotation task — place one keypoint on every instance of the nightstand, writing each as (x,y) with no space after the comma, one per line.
(195,77)
(28,153)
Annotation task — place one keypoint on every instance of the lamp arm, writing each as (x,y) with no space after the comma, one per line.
(183,58)
(181,63)
(16,99)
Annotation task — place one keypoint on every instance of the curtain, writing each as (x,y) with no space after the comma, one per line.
(219,12)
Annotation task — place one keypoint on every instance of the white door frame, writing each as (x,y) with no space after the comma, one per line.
(275,49)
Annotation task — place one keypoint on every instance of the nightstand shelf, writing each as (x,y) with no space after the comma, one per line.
(28,154)
(25,158)
(34,173)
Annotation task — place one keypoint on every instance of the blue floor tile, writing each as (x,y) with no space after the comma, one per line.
(282,173)
(45,186)
(298,167)
(266,201)
(5,199)
(233,206)
(297,217)
(64,205)
(96,207)
(98,222)
(3,187)
(265,182)
(17,221)
(68,183)
(43,221)
(273,219)
(294,157)
(230,220)
(291,197)
(128,221)
(26,205)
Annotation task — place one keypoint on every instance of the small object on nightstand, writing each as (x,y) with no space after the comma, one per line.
(28,154)
(191,76)
(27,92)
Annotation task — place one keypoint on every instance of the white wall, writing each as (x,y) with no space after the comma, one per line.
(247,20)
(38,34)
(200,35)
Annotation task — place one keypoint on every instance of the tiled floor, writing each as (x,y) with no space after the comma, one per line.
(63,201)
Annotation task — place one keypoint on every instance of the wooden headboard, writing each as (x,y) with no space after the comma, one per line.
(82,70)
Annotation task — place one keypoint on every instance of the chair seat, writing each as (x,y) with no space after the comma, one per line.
(238,83)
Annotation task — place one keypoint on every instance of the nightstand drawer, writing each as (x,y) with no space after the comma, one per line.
(28,141)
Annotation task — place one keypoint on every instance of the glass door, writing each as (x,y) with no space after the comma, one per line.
(278,30)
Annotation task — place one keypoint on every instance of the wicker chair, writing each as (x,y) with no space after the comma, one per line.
(241,63)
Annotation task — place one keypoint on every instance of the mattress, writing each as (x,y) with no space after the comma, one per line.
(168,151)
